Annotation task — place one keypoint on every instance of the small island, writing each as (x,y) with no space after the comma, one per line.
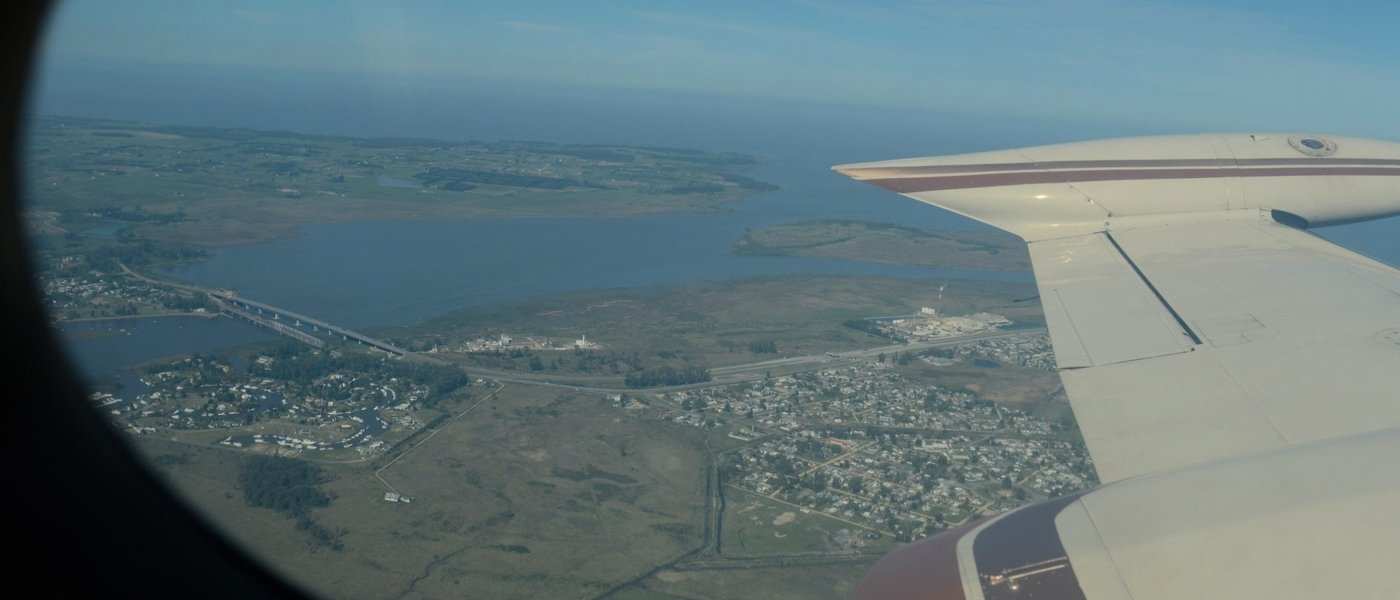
(888,243)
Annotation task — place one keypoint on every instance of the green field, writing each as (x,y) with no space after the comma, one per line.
(758,527)
(1019,386)
(531,494)
(833,580)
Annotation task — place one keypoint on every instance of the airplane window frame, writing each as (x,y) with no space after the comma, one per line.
(88,516)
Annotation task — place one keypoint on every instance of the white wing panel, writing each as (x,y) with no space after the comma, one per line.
(1098,309)
(1309,521)
(1300,342)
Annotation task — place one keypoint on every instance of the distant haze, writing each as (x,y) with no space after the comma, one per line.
(810,82)
(1134,66)
(487,110)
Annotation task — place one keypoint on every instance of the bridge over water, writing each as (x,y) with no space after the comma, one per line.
(253,310)
(231,303)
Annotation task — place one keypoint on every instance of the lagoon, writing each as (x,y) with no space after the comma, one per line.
(369,274)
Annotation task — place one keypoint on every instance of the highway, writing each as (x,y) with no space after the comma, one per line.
(759,370)
(752,371)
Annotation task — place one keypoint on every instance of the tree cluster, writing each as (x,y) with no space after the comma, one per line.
(866,326)
(666,375)
(296,362)
(282,484)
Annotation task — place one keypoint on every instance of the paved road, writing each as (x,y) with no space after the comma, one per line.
(751,371)
(743,372)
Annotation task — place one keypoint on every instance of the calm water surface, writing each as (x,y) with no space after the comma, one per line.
(370,274)
(392,273)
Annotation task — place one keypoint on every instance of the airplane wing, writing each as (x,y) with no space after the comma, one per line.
(1185,342)
(1236,378)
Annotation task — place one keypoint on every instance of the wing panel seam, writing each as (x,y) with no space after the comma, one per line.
(1253,400)
(1112,560)
(1195,339)
(1074,329)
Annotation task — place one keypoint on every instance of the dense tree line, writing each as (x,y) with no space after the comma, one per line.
(296,362)
(139,215)
(666,375)
(289,486)
(107,255)
(199,370)
(576,361)
(286,485)
(865,326)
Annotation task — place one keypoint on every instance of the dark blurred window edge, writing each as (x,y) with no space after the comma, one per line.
(87,516)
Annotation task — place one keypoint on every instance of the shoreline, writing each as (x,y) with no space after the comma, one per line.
(88,320)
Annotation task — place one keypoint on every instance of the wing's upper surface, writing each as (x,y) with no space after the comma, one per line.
(1185,342)
(1188,323)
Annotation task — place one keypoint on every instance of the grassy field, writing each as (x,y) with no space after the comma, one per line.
(888,243)
(757,527)
(1019,386)
(711,324)
(532,494)
(837,580)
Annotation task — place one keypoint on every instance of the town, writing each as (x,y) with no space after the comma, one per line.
(860,443)
(868,446)
(292,397)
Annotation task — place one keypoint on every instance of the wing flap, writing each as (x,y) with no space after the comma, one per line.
(1296,346)
(1097,307)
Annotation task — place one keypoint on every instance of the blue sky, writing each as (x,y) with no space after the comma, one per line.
(1153,66)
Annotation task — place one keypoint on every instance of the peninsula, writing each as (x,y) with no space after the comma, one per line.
(214,187)
(888,243)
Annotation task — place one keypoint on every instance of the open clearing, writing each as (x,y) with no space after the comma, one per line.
(836,580)
(757,527)
(533,494)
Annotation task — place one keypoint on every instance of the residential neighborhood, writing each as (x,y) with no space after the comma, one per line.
(867,445)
